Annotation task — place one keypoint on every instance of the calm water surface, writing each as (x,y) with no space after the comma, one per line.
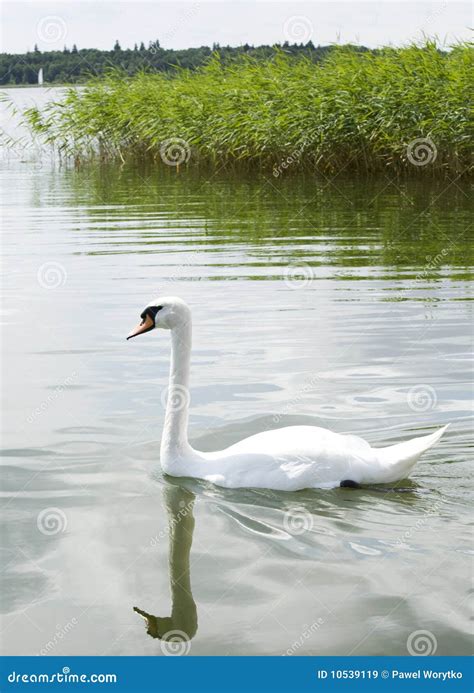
(339,303)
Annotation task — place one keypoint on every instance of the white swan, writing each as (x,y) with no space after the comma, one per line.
(285,459)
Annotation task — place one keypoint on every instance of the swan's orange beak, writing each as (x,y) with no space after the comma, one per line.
(146,325)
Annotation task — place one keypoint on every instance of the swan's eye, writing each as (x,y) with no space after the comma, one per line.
(151,311)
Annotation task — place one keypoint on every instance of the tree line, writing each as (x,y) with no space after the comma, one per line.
(77,65)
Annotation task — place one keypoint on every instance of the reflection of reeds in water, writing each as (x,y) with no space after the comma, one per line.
(351,223)
(181,625)
(355,110)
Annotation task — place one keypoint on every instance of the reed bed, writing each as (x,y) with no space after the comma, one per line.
(397,109)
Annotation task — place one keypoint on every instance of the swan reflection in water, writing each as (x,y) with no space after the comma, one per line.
(181,625)
(243,508)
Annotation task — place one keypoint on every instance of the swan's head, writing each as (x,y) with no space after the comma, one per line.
(179,628)
(166,312)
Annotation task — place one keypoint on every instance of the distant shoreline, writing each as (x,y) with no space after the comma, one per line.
(75,66)
(53,85)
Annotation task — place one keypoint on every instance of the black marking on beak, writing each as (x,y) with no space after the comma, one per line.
(147,316)
(151,311)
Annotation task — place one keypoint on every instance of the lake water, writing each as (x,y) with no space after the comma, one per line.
(333,302)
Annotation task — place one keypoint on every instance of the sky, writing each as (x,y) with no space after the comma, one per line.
(184,24)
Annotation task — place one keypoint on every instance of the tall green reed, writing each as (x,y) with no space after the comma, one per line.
(353,111)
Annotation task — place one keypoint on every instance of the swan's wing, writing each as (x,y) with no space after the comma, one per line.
(356,445)
(290,458)
(295,466)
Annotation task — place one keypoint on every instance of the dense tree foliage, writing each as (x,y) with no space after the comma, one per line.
(71,66)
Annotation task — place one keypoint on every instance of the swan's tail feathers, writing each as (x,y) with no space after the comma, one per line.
(398,460)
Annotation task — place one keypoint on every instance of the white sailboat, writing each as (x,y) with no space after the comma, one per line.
(40,77)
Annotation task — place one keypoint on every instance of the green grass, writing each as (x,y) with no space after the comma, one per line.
(353,111)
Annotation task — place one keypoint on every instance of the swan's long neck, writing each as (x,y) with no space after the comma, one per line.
(174,442)
(179,504)
(181,524)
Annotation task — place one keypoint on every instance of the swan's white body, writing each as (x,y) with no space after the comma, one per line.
(298,457)
(285,459)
